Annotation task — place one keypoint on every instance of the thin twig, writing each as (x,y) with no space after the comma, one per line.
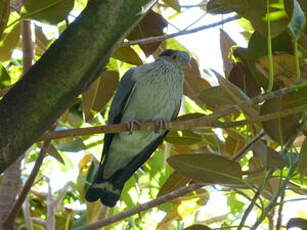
(137,209)
(28,184)
(199,123)
(50,223)
(184,32)
(247,146)
(253,201)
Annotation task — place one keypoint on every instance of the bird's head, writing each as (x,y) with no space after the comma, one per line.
(181,58)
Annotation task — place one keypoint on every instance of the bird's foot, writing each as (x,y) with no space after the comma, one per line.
(131,125)
(160,124)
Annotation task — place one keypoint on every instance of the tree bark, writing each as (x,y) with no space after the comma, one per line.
(63,72)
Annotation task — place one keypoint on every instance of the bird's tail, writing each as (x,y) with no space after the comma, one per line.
(107,190)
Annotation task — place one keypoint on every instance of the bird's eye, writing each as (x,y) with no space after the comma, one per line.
(174,56)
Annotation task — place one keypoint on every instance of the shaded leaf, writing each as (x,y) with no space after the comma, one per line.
(226,43)
(198,227)
(241,77)
(187,138)
(108,84)
(127,54)
(234,142)
(5,79)
(47,11)
(174,181)
(215,97)
(41,41)
(236,95)
(190,116)
(74,145)
(99,93)
(4,15)
(255,12)
(284,68)
(172,43)
(173,3)
(52,151)
(302,162)
(281,129)
(151,25)
(297,222)
(193,83)
(9,41)
(208,168)
(258,47)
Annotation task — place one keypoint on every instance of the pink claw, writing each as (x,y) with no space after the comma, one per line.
(131,125)
(159,124)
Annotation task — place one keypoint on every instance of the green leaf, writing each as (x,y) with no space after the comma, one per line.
(235,205)
(297,22)
(4,15)
(174,181)
(255,12)
(281,129)
(9,42)
(5,79)
(226,43)
(198,227)
(297,222)
(47,11)
(208,168)
(127,54)
(187,138)
(74,145)
(173,3)
(302,162)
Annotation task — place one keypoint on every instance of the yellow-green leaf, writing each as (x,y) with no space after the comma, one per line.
(208,168)
(47,11)
(127,54)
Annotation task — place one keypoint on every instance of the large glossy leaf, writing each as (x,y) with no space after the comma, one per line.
(282,129)
(47,11)
(151,25)
(208,168)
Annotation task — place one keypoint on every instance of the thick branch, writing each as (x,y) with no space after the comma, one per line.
(150,204)
(71,64)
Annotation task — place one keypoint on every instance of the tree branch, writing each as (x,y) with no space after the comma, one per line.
(18,203)
(180,33)
(148,205)
(64,72)
(199,123)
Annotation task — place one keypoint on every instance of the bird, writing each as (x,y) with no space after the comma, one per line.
(151,92)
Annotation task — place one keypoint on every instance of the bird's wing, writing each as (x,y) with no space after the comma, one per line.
(177,109)
(120,100)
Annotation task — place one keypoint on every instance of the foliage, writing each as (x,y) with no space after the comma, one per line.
(256,161)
